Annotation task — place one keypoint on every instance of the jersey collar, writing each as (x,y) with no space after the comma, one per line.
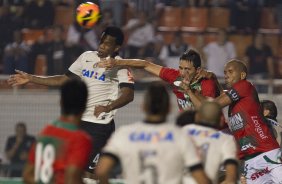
(59,123)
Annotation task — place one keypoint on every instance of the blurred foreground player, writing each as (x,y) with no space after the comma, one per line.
(153,150)
(62,150)
(217,148)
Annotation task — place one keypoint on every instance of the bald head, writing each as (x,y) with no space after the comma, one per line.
(238,65)
(210,112)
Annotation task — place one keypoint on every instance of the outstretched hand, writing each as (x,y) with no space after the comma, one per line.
(107,63)
(202,73)
(185,83)
(20,78)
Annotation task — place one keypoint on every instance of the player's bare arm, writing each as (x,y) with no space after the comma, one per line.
(127,96)
(73,175)
(22,78)
(135,63)
(223,100)
(202,73)
(200,176)
(231,174)
(103,169)
(28,174)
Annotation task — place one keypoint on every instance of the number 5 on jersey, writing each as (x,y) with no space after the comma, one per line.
(44,159)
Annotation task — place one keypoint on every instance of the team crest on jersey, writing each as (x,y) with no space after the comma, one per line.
(247,143)
(93,74)
(203,133)
(154,137)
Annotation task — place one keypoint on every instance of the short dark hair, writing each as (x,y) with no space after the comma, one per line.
(269,105)
(73,97)
(157,99)
(114,32)
(185,118)
(192,56)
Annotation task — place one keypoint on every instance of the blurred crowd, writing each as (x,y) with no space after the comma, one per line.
(60,45)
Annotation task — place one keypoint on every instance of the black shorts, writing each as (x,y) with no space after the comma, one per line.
(100,133)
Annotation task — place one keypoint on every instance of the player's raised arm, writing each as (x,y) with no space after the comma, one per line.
(135,63)
(21,78)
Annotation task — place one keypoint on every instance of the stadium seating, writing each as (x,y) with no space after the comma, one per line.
(218,17)
(194,19)
(170,20)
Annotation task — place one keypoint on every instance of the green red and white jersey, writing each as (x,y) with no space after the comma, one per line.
(57,147)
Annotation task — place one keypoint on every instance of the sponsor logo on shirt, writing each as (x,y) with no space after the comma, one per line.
(258,128)
(247,143)
(184,104)
(204,133)
(93,74)
(151,137)
(260,173)
(236,122)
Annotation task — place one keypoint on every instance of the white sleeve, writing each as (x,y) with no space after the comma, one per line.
(189,151)
(76,66)
(115,143)
(124,76)
(229,149)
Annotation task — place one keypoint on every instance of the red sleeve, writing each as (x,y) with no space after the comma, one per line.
(169,75)
(209,88)
(31,155)
(80,151)
(240,90)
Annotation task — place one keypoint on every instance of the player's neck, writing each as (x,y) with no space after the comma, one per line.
(155,119)
(72,119)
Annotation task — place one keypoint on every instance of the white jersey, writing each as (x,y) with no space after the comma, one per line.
(102,85)
(152,153)
(215,147)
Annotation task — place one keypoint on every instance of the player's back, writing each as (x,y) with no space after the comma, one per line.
(215,147)
(152,153)
(58,146)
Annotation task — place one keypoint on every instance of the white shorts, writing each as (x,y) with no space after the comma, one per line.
(265,168)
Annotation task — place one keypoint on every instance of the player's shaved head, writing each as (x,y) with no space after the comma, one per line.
(239,65)
(210,112)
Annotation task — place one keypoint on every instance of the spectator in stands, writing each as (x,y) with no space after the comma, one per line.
(56,52)
(38,48)
(39,14)
(116,11)
(16,54)
(17,147)
(218,52)
(140,33)
(171,53)
(198,3)
(244,15)
(79,40)
(270,112)
(259,60)
(107,19)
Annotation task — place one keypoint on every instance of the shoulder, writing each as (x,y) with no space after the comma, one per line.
(207,82)
(169,71)
(243,84)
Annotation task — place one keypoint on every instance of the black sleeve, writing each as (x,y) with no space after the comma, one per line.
(72,75)
(128,85)
(230,161)
(196,167)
